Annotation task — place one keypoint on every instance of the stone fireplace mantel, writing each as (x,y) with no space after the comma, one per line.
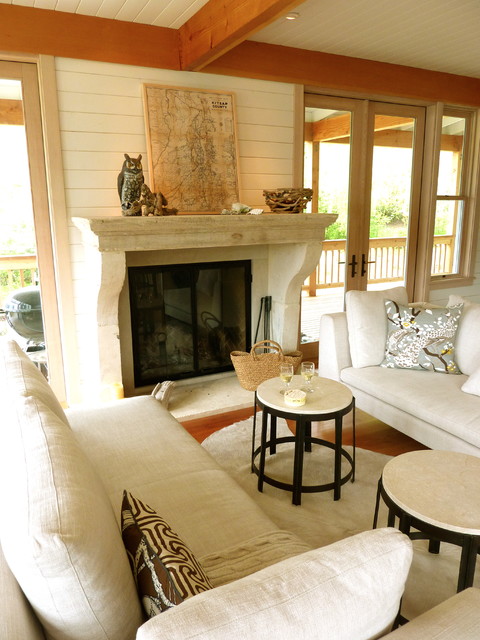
(292,245)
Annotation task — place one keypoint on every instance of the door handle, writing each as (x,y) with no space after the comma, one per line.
(353,265)
(364,264)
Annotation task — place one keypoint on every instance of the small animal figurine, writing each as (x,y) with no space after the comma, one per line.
(155,204)
(148,201)
(129,182)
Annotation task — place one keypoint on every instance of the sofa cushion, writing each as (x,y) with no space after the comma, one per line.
(421,338)
(165,570)
(61,539)
(467,345)
(349,590)
(425,395)
(165,467)
(367,323)
(472,385)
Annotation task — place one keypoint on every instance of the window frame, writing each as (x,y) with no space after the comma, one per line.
(469,184)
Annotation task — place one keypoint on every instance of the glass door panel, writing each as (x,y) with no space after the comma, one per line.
(327,154)
(18,253)
(396,139)
(390,204)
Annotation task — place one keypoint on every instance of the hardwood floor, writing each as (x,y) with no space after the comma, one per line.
(370,433)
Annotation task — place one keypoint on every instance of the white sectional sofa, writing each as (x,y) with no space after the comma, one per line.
(440,410)
(65,573)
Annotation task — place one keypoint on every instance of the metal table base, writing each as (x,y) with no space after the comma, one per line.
(303,441)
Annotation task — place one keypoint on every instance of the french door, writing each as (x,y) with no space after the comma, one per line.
(363,160)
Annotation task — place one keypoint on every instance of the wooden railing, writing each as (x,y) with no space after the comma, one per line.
(17,272)
(386,257)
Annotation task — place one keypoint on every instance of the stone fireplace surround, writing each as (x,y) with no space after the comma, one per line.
(284,250)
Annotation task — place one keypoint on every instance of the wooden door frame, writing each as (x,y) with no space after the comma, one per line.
(37,74)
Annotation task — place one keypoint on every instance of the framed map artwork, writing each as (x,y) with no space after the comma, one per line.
(192,147)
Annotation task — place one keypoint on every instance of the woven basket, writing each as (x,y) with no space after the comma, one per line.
(253,368)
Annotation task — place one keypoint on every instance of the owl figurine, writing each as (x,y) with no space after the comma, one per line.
(129,182)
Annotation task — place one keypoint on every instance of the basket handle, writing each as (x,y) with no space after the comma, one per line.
(266,344)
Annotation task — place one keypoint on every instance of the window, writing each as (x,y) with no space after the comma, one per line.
(453,242)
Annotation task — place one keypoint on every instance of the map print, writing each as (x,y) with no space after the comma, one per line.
(192,147)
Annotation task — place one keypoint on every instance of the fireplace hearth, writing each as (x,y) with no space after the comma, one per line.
(187,318)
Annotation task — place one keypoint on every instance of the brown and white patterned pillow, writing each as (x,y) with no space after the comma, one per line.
(165,570)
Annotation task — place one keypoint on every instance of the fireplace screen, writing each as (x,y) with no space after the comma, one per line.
(186,319)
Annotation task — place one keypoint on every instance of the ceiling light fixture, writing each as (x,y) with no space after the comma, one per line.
(293,15)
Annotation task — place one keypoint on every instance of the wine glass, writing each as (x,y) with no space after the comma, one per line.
(286,375)
(308,371)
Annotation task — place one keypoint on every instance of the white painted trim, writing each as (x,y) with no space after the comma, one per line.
(58,219)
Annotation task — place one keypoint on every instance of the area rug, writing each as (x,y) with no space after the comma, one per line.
(320,520)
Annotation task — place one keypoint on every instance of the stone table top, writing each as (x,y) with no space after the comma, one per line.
(328,395)
(437,487)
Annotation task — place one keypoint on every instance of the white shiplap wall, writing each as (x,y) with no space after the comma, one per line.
(101,118)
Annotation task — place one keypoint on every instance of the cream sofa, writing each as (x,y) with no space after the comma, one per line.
(441,411)
(65,573)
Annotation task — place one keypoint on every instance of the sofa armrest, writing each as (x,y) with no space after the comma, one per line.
(334,348)
(349,590)
(17,619)
(457,618)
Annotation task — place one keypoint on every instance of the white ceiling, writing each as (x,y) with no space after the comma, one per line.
(441,35)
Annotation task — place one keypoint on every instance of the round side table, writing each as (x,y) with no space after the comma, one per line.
(436,493)
(330,400)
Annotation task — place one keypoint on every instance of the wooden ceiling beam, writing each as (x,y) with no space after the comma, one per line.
(221,25)
(71,35)
(11,111)
(331,128)
(339,126)
(394,138)
(327,70)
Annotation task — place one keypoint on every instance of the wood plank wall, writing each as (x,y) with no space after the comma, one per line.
(101,118)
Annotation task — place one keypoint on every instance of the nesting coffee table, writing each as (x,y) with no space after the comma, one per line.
(330,400)
(437,494)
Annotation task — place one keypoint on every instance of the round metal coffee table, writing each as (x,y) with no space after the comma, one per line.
(330,400)
(437,494)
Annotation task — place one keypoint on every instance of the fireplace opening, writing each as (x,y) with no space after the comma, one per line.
(187,318)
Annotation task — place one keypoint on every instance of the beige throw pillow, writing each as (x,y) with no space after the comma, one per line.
(472,385)
(367,323)
(467,343)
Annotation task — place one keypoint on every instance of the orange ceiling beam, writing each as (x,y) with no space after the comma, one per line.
(331,71)
(221,25)
(11,111)
(339,126)
(71,35)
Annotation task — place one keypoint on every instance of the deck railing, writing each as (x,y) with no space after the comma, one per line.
(18,270)
(15,272)
(386,261)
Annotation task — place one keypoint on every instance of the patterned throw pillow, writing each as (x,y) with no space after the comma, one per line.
(165,570)
(420,338)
